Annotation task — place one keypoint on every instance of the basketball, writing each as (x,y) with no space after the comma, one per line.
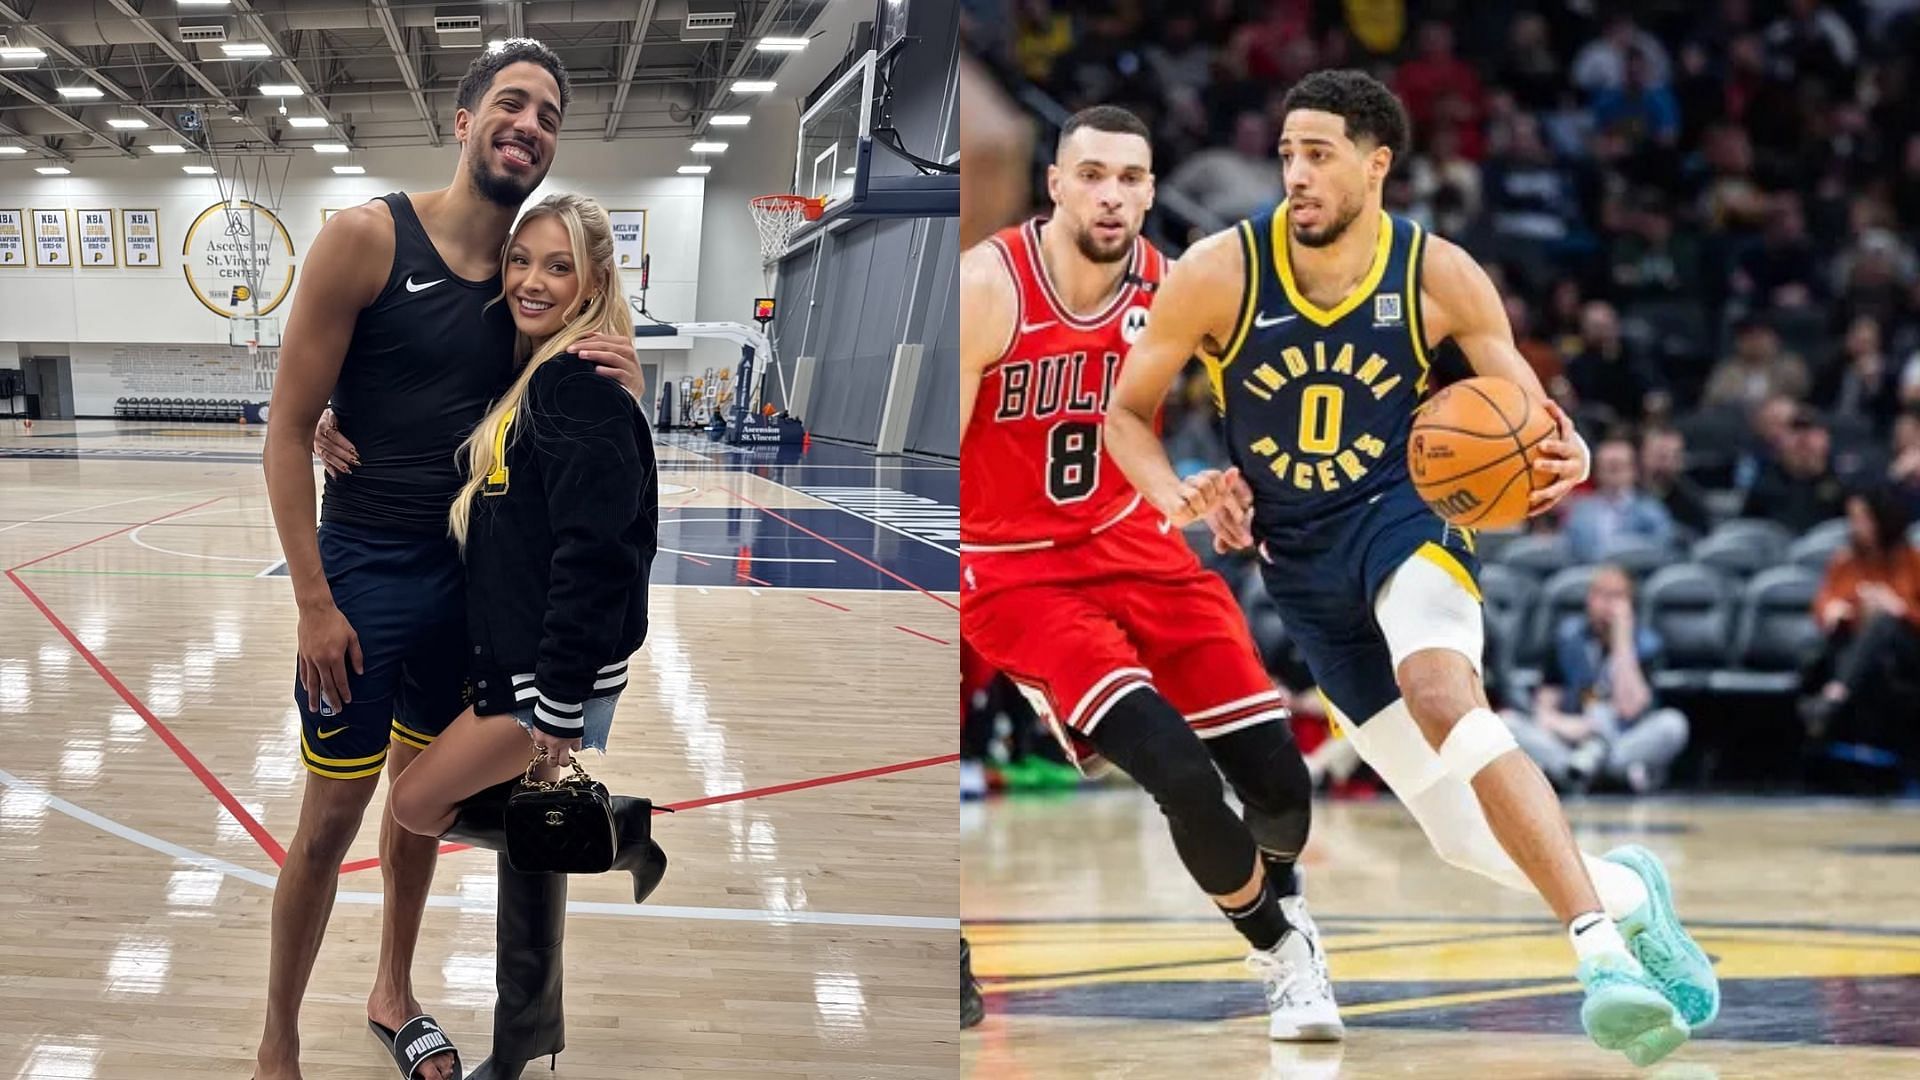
(1472,452)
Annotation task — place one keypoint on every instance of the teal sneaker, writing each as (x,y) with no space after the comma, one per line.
(1656,938)
(1625,1011)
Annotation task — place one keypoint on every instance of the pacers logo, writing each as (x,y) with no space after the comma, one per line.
(1133,324)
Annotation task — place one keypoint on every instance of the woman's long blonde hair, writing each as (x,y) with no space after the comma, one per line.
(603,310)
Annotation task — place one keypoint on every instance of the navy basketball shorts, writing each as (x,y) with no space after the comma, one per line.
(405,596)
(1326,579)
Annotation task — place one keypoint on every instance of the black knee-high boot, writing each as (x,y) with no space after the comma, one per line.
(529,1019)
(637,854)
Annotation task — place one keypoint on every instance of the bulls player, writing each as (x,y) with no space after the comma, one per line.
(1075,588)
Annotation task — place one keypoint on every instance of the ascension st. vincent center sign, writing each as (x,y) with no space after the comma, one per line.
(233,248)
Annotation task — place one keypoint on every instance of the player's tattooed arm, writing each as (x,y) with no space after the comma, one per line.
(1194,310)
(991,306)
(1460,302)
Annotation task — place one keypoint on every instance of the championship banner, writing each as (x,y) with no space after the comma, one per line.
(13,239)
(629,237)
(97,246)
(140,237)
(50,242)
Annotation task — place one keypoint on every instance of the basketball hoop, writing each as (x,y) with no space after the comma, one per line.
(777,216)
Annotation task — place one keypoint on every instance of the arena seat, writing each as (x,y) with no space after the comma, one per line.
(1743,547)
(1691,607)
(1641,557)
(1565,593)
(1508,597)
(1815,547)
(1775,634)
(1539,555)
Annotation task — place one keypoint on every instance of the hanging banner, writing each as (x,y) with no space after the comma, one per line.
(140,237)
(50,239)
(13,239)
(629,237)
(97,247)
(234,249)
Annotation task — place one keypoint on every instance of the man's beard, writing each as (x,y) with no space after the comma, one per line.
(1327,234)
(1093,252)
(501,189)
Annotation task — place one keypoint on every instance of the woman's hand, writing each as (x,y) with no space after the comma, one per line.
(558,751)
(336,454)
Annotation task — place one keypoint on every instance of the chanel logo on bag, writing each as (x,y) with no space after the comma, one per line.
(555,817)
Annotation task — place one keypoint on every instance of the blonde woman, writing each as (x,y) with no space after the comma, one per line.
(557,521)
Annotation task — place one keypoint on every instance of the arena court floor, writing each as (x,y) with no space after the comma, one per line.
(151,776)
(1100,959)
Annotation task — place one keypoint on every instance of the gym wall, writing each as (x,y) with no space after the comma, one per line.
(143,332)
(855,292)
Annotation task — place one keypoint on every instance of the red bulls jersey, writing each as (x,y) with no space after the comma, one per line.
(1033,471)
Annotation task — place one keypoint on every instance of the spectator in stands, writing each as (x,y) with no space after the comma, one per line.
(1235,181)
(1732,200)
(1530,68)
(1439,89)
(1784,271)
(1801,490)
(1643,112)
(1602,64)
(1868,607)
(1445,186)
(1538,352)
(1649,260)
(1758,369)
(1617,512)
(1529,195)
(1768,426)
(1812,42)
(1862,381)
(1903,473)
(1595,715)
(1663,461)
(1610,372)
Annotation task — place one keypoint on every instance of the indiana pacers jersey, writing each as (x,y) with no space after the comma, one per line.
(1318,402)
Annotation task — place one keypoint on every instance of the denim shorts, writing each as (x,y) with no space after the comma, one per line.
(598,722)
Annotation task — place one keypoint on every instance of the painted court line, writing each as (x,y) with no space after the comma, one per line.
(856,556)
(473,905)
(918,634)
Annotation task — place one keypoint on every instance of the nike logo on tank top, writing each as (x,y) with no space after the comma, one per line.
(1319,402)
(425,362)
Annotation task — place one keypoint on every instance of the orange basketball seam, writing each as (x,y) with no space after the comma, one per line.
(1502,459)
(1511,430)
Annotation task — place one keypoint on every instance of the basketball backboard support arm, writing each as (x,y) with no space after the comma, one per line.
(736,333)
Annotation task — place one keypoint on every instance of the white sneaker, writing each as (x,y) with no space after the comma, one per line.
(1300,1003)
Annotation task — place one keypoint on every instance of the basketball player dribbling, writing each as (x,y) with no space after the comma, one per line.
(1316,321)
(395,321)
(1126,646)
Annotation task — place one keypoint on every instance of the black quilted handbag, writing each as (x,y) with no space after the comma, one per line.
(563,826)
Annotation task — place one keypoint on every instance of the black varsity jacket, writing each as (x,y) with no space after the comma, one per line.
(559,544)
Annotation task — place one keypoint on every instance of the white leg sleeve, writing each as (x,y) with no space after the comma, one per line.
(1424,605)
(1449,812)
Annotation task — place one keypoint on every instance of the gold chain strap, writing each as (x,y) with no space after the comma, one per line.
(579,777)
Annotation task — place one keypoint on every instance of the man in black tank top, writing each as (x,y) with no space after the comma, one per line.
(392,322)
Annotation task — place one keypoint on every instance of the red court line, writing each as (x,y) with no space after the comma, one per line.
(691,559)
(778,516)
(818,781)
(757,581)
(212,783)
(368,864)
(829,603)
(918,634)
(114,533)
(737,796)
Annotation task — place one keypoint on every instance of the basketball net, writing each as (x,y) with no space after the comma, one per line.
(776,217)
(247,185)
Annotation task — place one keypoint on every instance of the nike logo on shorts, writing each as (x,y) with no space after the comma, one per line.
(335,731)
(422,286)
